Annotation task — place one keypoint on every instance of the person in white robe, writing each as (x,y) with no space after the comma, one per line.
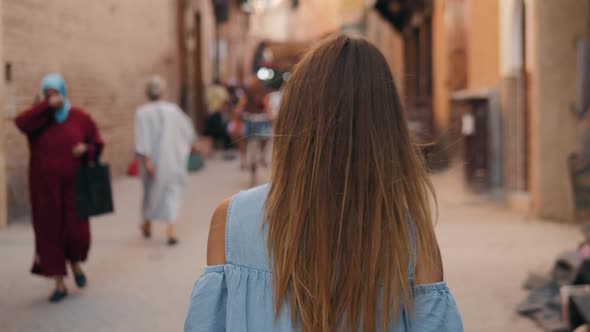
(164,139)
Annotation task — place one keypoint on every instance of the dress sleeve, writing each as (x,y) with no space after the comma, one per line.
(33,119)
(207,309)
(436,310)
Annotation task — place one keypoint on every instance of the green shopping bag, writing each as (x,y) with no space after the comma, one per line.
(195,162)
(94,195)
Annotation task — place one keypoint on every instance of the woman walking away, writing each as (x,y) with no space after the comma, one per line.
(342,237)
(258,121)
(164,136)
(59,136)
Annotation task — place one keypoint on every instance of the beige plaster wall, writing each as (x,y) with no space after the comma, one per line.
(483,35)
(554,129)
(440,66)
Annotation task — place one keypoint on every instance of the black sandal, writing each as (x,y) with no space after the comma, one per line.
(58,296)
(172,242)
(147,233)
(80,280)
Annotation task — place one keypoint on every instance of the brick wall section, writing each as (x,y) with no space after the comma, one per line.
(106,50)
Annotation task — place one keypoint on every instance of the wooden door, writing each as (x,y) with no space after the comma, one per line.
(476,147)
(418,78)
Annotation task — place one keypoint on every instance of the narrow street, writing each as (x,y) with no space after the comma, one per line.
(139,285)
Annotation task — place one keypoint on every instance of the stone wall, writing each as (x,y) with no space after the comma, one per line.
(483,44)
(555,130)
(105,49)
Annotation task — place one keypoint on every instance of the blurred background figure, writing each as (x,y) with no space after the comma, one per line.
(236,127)
(59,136)
(257,119)
(218,106)
(273,103)
(164,139)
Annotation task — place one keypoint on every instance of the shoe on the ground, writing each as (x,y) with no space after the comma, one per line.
(172,242)
(146,232)
(58,296)
(80,280)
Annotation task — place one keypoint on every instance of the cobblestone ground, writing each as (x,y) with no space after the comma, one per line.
(139,285)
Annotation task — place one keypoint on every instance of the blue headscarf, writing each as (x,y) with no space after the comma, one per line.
(57,82)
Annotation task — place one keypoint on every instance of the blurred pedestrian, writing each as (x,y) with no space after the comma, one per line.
(59,136)
(342,239)
(236,127)
(218,104)
(164,139)
(256,108)
(273,103)
(216,96)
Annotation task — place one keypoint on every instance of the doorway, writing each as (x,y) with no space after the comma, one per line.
(418,76)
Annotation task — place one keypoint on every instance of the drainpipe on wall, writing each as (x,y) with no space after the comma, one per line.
(583,97)
(3,207)
(221,9)
(586,87)
(217,60)
(182,7)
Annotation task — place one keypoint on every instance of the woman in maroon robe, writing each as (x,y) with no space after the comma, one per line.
(59,136)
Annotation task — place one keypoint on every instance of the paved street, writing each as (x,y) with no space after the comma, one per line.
(139,285)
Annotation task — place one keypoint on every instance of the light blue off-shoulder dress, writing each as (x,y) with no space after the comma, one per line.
(238,297)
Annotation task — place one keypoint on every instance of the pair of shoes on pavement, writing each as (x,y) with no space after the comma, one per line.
(148,234)
(60,295)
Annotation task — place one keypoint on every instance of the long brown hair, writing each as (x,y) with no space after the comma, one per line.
(345,177)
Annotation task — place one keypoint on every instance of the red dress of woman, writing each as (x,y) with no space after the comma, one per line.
(60,235)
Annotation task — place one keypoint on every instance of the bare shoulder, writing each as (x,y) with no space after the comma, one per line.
(429,269)
(216,242)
